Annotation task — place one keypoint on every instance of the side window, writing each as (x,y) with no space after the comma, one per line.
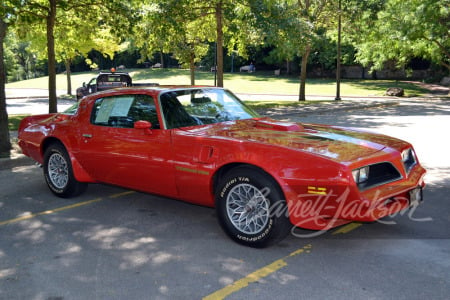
(174,112)
(122,111)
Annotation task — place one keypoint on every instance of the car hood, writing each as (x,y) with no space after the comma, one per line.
(336,143)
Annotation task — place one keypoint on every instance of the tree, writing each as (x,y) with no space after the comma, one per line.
(191,44)
(168,28)
(74,37)
(50,12)
(8,15)
(164,28)
(35,12)
(293,27)
(5,143)
(316,13)
(50,18)
(406,29)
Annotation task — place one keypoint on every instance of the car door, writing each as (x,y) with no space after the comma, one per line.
(92,86)
(194,157)
(115,152)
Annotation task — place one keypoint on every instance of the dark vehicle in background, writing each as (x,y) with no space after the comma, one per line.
(108,80)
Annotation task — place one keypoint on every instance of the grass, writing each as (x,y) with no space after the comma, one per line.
(283,103)
(14,121)
(253,83)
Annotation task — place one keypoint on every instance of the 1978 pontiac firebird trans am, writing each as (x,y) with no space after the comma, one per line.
(202,145)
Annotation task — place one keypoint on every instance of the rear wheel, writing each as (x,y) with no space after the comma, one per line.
(251,207)
(58,173)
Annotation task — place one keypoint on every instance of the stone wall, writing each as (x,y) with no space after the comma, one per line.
(358,72)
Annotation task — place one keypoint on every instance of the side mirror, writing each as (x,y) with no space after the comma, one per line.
(84,84)
(145,125)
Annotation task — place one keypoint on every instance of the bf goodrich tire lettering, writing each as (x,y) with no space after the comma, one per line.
(244,201)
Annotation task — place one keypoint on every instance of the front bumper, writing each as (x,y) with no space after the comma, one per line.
(386,200)
(342,204)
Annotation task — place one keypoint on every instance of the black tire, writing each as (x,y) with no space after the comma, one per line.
(251,207)
(58,173)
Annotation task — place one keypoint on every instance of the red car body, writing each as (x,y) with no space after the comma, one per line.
(327,175)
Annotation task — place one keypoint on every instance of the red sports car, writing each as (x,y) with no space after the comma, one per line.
(204,146)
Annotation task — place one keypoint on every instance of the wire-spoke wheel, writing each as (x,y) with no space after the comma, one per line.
(251,207)
(58,172)
(248,208)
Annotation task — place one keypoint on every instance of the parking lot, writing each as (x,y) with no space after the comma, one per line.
(112,243)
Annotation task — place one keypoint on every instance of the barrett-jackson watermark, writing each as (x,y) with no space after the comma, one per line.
(310,209)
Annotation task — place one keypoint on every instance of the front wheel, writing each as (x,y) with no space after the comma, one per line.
(58,173)
(251,208)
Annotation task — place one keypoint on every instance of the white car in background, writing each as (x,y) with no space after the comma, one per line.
(248,68)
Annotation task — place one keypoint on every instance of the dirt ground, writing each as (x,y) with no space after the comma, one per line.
(435,89)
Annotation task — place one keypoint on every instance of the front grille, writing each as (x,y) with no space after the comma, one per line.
(380,173)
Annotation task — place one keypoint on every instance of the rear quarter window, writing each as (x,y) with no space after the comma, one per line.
(124,110)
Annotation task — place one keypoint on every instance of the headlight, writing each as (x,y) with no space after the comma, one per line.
(361,175)
(408,159)
(406,155)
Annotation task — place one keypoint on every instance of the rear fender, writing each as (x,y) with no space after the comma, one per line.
(78,171)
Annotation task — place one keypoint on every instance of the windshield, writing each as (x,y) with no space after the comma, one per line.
(71,110)
(200,106)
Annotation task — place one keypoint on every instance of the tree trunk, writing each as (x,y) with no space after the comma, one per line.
(68,76)
(192,67)
(51,18)
(5,143)
(302,94)
(161,58)
(219,43)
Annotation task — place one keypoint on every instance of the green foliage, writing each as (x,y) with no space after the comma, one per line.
(288,36)
(13,69)
(80,29)
(165,27)
(14,121)
(402,30)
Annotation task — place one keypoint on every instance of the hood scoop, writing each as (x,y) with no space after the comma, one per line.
(278,126)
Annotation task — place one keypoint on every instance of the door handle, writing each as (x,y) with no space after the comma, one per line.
(87,135)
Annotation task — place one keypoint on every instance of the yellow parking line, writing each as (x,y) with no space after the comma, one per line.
(55,210)
(48,212)
(347,228)
(122,194)
(255,276)
(271,268)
